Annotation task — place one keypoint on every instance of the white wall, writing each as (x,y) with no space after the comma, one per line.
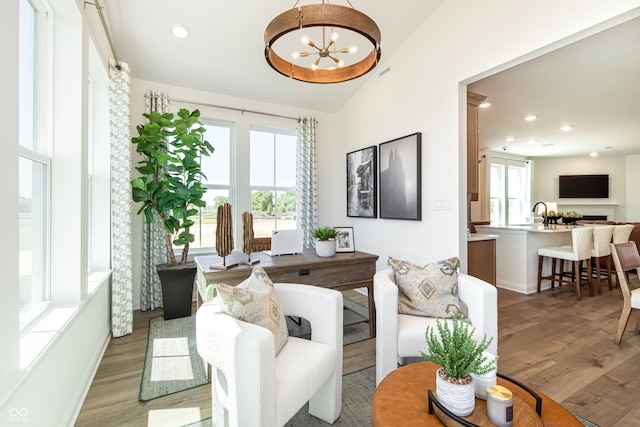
(242,123)
(461,42)
(546,172)
(632,180)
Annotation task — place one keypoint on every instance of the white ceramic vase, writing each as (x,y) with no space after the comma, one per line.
(482,381)
(459,399)
(326,248)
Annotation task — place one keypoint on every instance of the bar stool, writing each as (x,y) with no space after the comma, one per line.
(621,234)
(579,251)
(602,236)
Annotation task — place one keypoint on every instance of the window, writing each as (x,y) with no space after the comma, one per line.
(509,191)
(272,180)
(34,167)
(217,181)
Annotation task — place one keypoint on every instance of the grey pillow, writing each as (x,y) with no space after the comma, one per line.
(430,291)
(255,301)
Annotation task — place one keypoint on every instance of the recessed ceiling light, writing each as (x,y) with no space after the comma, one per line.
(566,128)
(180,31)
(509,139)
(531,117)
(594,154)
(485,105)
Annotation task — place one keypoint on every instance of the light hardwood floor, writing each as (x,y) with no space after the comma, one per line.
(561,346)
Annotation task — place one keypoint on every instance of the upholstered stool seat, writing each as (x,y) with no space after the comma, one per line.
(580,250)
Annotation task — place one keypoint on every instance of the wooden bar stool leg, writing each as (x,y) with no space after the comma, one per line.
(540,259)
(553,272)
(576,264)
(609,278)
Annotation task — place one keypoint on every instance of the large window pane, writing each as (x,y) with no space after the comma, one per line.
(217,167)
(217,181)
(27,71)
(272,180)
(32,233)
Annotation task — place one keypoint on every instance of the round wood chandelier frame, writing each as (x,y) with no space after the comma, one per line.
(322,15)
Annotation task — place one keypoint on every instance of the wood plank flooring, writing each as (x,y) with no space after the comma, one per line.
(561,346)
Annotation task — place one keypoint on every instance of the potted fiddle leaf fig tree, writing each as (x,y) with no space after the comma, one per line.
(169,188)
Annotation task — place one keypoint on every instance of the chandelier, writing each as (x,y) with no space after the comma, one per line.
(323,61)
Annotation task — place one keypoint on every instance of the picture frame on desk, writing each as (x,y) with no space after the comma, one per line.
(344,241)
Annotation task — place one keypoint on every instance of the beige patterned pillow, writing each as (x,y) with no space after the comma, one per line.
(255,301)
(430,291)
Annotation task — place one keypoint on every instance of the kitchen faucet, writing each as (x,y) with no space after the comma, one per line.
(545,221)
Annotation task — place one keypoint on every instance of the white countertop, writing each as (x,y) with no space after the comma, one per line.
(474,237)
(535,228)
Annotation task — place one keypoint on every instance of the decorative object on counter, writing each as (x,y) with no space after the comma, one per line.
(224,236)
(459,354)
(247,237)
(500,405)
(548,211)
(326,241)
(571,217)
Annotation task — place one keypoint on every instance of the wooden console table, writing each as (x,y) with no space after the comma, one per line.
(342,272)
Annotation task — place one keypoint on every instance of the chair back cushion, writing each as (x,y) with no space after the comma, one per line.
(255,301)
(430,291)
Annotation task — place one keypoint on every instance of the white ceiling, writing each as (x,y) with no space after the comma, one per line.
(592,84)
(225,53)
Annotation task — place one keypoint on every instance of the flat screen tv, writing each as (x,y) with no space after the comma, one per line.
(583,187)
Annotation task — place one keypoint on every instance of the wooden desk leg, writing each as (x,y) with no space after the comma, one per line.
(372,311)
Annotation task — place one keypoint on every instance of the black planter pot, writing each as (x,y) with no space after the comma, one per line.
(177,289)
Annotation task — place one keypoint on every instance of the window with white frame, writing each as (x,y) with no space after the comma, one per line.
(217,179)
(509,191)
(34,164)
(272,180)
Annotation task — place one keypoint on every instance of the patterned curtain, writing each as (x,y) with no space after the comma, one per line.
(306,180)
(121,204)
(154,250)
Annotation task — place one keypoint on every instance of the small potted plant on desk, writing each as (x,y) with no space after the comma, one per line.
(169,189)
(326,241)
(459,354)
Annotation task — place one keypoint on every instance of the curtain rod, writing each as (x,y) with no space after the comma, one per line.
(242,110)
(99,8)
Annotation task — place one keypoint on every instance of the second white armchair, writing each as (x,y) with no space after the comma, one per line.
(401,336)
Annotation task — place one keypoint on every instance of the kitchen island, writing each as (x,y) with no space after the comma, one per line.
(517,253)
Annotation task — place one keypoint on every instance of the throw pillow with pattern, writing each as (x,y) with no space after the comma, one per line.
(430,291)
(255,301)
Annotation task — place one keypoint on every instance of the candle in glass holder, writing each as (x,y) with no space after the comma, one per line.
(500,405)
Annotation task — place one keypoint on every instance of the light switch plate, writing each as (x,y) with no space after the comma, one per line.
(442,204)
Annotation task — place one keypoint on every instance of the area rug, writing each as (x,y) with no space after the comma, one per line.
(357,395)
(172,363)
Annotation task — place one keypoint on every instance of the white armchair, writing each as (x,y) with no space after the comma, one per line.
(253,387)
(400,336)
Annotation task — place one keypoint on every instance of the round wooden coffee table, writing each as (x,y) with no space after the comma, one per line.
(401,400)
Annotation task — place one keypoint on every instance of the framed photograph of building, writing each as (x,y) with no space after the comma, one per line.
(362,183)
(344,241)
(401,178)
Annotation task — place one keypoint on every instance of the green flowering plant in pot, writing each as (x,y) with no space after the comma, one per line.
(457,351)
(459,354)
